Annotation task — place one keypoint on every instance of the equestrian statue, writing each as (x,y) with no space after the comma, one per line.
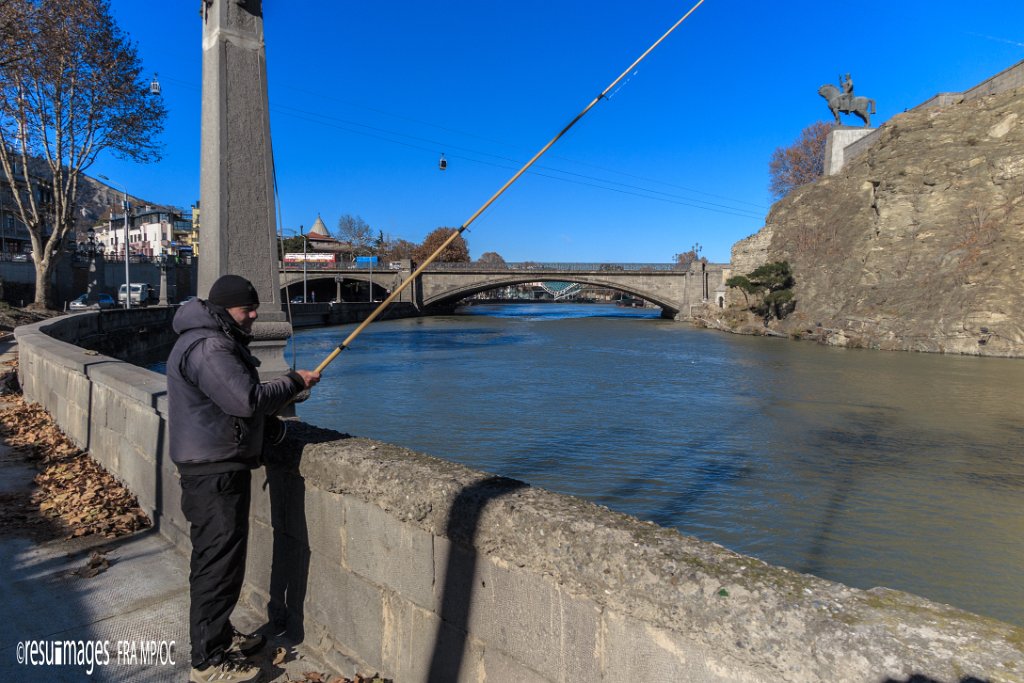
(846,102)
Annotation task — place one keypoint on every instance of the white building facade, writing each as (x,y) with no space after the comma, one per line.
(152,231)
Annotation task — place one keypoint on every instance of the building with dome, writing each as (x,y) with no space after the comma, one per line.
(319,239)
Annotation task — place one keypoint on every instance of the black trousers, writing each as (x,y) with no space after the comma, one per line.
(217,509)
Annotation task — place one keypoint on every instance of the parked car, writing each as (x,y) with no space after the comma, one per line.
(20,258)
(142,294)
(297,300)
(102,301)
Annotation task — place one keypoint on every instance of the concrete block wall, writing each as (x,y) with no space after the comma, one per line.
(841,147)
(426,570)
(1007,79)
(429,571)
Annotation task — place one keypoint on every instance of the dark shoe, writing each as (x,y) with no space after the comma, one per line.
(232,669)
(245,643)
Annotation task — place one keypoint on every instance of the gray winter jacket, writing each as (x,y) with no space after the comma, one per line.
(216,402)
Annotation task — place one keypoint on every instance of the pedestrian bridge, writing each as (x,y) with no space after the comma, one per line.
(667,285)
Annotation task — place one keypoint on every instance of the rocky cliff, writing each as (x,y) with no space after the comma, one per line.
(918,244)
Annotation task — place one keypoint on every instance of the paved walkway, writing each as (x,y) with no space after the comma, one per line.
(136,610)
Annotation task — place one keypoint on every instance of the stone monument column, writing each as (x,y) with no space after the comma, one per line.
(237,170)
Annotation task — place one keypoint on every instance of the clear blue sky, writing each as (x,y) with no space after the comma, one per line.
(366,96)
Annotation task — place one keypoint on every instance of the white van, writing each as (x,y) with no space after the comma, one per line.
(142,294)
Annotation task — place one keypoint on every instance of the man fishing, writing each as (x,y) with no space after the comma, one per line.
(218,415)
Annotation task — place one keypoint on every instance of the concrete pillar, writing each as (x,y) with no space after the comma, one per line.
(95,268)
(163,282)
(237,174)
(836,143)
(413,294)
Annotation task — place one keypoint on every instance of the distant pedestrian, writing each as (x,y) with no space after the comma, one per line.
(217,418)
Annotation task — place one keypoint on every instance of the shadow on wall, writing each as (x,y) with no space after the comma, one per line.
(289,568)
(456,600)
(290,555)
(289,573)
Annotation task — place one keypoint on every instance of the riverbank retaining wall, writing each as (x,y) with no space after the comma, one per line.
(429,571)
(319,315)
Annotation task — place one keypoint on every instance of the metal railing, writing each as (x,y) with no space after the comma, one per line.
(476,266)
(527,266)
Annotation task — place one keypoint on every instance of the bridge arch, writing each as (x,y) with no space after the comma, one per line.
(324,286)
(442,285)
(452,296)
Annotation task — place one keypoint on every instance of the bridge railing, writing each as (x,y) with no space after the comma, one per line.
(476,266)
(340,265)
(558,267)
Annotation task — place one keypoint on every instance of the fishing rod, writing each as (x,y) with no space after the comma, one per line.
(456,233)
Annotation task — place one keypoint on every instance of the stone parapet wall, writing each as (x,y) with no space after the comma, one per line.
(1007,79)
(452,574)
(427,570)
(318,315)
(941,99)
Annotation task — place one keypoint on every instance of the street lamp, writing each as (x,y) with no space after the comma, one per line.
(127,274)
(305,297)
(161,260)
(92,249)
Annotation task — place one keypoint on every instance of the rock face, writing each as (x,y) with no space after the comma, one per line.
(918,244)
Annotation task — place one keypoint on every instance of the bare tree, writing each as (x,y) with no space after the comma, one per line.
(800,163)
(396,249)
(357,232)
(684,259)
(73,89)
(12,31)
(492,258)
(456,252)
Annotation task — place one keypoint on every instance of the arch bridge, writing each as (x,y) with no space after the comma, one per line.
(442,285)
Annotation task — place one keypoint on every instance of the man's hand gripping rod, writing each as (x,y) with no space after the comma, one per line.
(451,238)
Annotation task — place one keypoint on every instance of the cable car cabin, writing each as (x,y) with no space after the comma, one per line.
(442,164)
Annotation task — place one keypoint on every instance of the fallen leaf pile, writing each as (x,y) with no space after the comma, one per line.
(281,655)
(28,427)
(315,677)
(72,486)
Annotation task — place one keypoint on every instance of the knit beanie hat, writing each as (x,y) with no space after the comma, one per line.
(233,290)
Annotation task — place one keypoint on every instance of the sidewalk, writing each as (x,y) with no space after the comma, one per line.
(135,612)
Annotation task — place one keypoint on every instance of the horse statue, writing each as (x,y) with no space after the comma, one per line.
(847,104)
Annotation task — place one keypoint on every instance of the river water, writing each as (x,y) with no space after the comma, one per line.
(870,468)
